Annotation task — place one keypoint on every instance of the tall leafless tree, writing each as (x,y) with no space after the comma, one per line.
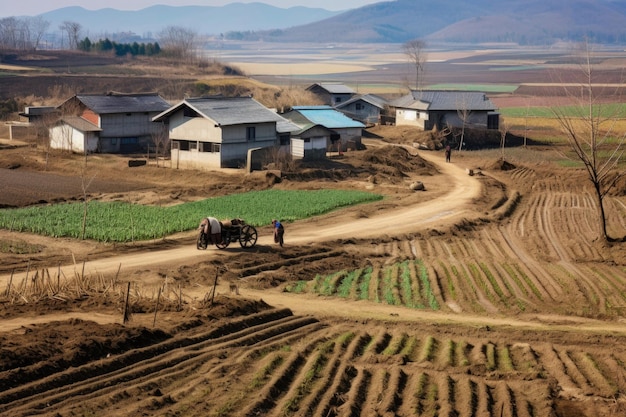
(179,42)
(464,113)
(590,129)
(73,30)
(415,50)
(38,27)
(504,131)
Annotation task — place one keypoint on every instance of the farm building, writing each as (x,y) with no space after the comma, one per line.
(218,132)
(428,109)
(323,124)
(332,93)
(366,108)
(111,123)
(75,134)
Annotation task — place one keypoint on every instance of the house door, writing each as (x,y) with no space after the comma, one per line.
(129,145)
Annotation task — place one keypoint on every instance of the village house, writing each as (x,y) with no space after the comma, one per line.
(366,108)
(332,94)
(219,132)
(322,127)
(110,123)
(428,109)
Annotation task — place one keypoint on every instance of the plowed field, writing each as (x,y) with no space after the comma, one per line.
(485,295)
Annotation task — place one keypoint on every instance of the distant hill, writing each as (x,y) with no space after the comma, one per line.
(538,22)
(203,19)
(527,22)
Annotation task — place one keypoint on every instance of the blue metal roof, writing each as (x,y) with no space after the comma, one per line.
(327,117)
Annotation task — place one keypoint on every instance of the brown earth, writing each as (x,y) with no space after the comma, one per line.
(529,316)
(487,295)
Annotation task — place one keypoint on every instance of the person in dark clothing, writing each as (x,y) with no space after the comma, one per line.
(279,232)
(448,152)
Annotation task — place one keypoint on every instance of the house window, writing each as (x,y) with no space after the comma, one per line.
(359,106)
(193,146)
(285,139)
(209,147)
(181,145)
(250,133)
(337,99)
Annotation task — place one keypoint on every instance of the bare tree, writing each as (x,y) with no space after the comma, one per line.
(590,129)
(38,27)
(464,113)
(504,130)
(161,141)
(179,42)
(415,50)
(73,30)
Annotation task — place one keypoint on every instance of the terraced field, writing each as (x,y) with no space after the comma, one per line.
(493,298)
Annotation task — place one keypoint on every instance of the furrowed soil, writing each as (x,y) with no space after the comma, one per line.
(482,295)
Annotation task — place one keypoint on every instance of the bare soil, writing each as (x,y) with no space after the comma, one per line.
(549,343)
(515,307)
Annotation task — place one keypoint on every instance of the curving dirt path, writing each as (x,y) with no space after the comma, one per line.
(444,210)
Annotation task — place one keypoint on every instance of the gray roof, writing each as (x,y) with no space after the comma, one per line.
(372,99)
(334,88)
(80,124)
(443,100)
(124,103)
(226,111)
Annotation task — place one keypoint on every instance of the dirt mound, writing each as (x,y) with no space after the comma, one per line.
(501,165)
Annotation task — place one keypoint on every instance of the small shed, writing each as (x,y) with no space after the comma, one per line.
(343,132)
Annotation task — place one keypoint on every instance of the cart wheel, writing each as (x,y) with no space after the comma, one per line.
(225,240)
(248,236)
(201,244)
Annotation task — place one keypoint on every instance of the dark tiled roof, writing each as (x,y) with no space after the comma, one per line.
(227,110)
(334,88)
(441,100)
(372,99)
(124,103)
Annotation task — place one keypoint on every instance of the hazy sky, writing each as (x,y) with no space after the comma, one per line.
(33,8)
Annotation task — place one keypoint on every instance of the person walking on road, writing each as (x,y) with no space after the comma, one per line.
(279,232)
(448,152)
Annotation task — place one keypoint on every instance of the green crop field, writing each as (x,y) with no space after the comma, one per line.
(125,222)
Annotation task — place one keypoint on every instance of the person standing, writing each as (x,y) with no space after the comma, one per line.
(279,232)
(448,152)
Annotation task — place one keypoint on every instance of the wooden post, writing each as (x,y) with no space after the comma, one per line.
(214,285)
(156,308)
(8,290)
(126,314)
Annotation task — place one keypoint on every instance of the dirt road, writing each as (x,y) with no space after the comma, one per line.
(450,207)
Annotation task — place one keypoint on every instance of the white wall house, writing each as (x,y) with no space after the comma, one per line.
(427,109)
(217,132)
(124,121)
(74,134)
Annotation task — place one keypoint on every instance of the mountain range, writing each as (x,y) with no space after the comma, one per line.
(535,22)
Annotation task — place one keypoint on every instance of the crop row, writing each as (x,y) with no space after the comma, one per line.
(471,286)
(435,376)
(126,222)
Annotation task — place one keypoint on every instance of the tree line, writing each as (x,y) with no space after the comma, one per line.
(120,49)
(31,33)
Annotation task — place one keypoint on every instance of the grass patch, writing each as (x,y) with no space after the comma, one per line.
(125,222)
